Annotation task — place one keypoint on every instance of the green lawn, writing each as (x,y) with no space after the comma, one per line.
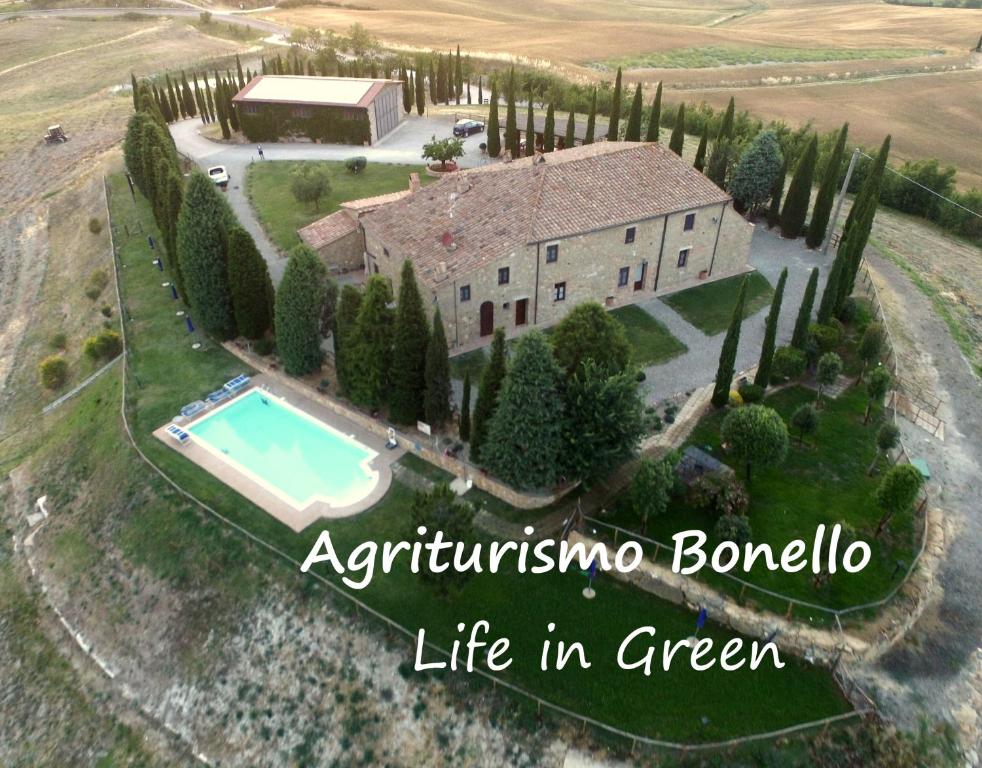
(268,188)
(709,307)
(824,481)
(668,705)
(651,343)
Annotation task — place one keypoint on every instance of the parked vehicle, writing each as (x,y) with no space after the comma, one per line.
(467,127)
(219,175)
(55,135)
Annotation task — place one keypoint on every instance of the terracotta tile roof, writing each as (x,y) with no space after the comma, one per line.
(365,204)
(495,211)
(328,229)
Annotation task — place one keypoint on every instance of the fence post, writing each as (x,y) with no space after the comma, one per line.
(655,556)
(790,608)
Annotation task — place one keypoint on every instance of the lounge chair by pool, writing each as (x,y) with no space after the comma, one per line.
(192,409)
(234,385)
(217,396)
(178,434)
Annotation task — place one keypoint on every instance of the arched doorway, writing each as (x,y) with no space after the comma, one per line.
(487,318)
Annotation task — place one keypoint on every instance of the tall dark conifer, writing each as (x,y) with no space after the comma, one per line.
(654,117)
(530,129)
(795,207)
(700,161)
(569,139)
(613,128)
(436,399)
(549,134)
(465,409)
(800,336)
(728,354)
(826,192)
(763,377)
(633,130)
(511,119)
(678,132)
(411,336)
(591,120)
(487,394)
(494,130)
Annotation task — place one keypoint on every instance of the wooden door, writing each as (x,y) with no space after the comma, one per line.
(639,283)
(521,311)
(487,318)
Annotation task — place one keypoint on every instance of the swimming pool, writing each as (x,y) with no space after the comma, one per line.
(291,454)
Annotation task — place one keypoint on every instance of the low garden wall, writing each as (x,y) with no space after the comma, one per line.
(412,441)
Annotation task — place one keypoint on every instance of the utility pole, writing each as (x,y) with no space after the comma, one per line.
(838,203)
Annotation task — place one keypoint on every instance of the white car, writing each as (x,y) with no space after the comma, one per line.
(219,175)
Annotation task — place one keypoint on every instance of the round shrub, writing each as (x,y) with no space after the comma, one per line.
(750,392)
(264,346)
(53,372)
(95,226)
(103,346)
(58,341)
(789,363)
(356,164)
(720,492)
(106,310)
(826,337)
(848,311)
(736,399)
(734,528)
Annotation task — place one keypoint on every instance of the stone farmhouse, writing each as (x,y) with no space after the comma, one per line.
(518,244)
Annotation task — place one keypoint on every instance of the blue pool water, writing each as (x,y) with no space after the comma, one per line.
(297,456)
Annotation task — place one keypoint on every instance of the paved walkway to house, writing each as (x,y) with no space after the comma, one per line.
(769,254)
(403,146)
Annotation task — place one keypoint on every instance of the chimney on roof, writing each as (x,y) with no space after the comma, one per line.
(414,185)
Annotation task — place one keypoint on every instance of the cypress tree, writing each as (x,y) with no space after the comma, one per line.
(262,65)
(458,77)
(526,435)
(800,336)
(549,134)
(420,90)
(799,192)
(202,256)
(530,130)
(345,329)
(212,110)
(480,90)
(432,79)
(465,409)
(238,70)
(371,350)
(511,120)
(763,376)
(199,99)
(175,107)
(633,130)
(441,80)
(411,87)
(407,95)
(494,130)
(678,131)
(826,193)
(410,337)
(373,72)
(613,128)
(569,139)
(777,194)
(487,394)
(591,120)
(299,302)
(727,356)
(249,284)
(700,162)
(230,110)
(173,191)
(719,158)
(136,105)
(467,90)
(726,125)
(192,108)
(654,116)
(163,104)
(220,108)
(437,395)
(830,296)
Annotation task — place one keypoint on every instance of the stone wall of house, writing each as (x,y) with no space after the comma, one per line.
(346,253)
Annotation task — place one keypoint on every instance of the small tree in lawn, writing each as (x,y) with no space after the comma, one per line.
(443,150)
(728,353)
(436,401)
(755,435)
(525,436)
(897,493)
(677,140)
(487,393)
(650,490)
(589,332)
(799,192)
(251,288)
(805,421)
(829,368)
(763,377)
(309,183)
(371,347)
(299,301)
(877,386)
(800,336)
(871,345)
(410,337)
(465,409)
(887,438)
(53,372)
(441,510)
(754,174)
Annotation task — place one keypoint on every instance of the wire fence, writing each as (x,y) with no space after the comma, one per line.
(542,705)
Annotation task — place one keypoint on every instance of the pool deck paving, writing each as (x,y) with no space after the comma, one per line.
(293,517)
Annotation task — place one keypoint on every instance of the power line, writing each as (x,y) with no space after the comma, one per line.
(928,189)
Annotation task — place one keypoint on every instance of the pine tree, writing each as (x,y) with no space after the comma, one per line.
(633,130)
(494,130)
(800,336)
(299,302)
(727,355)
(420,90)
(511,120)
(678,132)
(591,120)
(465,409)
(410,338)
(437,395)
(371,350)
(777,195)
(202,256)
(826,193)
(549,134)
(700,162)
(613,128)
(526,434)
(569,139)
(345,330)
(763,376)
(249,284)
(487,394)
(799,192)
(530,129)
(654,116)
(753,175)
